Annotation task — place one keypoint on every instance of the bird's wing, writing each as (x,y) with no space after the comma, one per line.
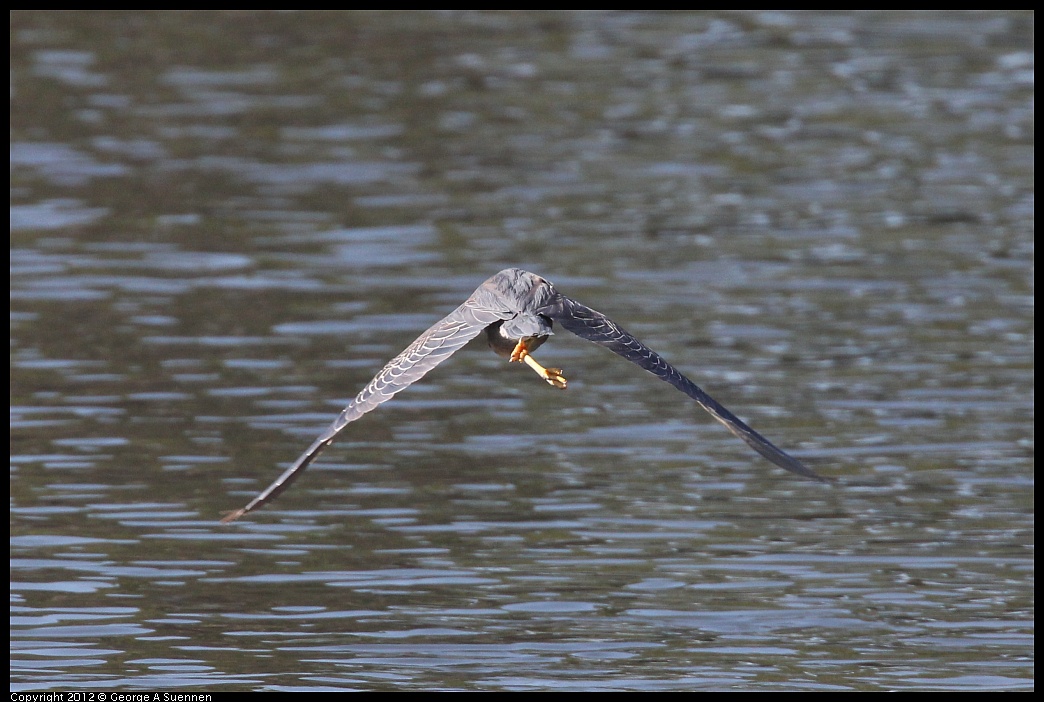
(595,326)
(429,350)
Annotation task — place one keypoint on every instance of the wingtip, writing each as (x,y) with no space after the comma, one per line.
(820,478)
(233,515)
(798,468)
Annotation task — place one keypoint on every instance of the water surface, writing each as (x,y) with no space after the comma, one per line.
(222,224)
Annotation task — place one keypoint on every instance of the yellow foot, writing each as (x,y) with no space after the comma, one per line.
(552,375)
(519,352)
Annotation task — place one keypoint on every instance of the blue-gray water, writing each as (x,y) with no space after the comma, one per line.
(222,224)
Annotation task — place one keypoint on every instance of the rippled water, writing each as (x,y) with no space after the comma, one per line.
(222,224)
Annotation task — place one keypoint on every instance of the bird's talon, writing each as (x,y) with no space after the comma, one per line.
(554,377)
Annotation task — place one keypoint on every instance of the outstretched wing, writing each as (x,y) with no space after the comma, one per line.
(429,350)
(595,326)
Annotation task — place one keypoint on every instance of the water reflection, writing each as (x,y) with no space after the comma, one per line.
(222,224)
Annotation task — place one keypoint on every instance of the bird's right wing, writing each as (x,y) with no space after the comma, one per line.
(427,351)
(596,327)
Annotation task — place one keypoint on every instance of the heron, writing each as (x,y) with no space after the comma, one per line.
(517,310)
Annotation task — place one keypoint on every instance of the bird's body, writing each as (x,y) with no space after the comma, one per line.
(516,309)
(503,342)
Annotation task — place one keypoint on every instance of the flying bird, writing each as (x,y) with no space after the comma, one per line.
(516,309)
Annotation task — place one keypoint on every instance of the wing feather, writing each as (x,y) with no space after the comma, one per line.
(596,327)
(427,351)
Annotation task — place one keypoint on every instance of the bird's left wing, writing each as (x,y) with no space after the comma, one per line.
(429,350)
(595,326)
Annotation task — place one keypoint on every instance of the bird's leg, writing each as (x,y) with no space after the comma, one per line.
(551,375)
